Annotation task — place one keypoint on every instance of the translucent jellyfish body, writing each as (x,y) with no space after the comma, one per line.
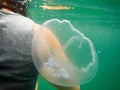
(71,61)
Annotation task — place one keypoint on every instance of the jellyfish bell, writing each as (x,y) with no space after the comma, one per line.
(74,63)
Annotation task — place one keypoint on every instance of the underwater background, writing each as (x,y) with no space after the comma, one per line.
(99,20)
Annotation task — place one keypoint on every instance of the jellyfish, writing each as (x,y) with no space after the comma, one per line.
(69,62)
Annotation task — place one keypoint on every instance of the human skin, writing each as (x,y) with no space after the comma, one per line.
(54,44)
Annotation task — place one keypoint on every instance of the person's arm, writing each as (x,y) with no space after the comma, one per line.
(67,88)
(36,86)
(54,44)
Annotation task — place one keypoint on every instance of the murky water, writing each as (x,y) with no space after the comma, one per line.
(100,22)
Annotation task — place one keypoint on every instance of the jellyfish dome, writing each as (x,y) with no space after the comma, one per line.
(73,63)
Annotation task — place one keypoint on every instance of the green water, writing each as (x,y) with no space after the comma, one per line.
(99,20)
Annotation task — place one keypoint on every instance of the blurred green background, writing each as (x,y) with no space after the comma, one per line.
(99,20)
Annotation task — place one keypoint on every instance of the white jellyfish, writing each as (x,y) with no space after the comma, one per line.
(74,63)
